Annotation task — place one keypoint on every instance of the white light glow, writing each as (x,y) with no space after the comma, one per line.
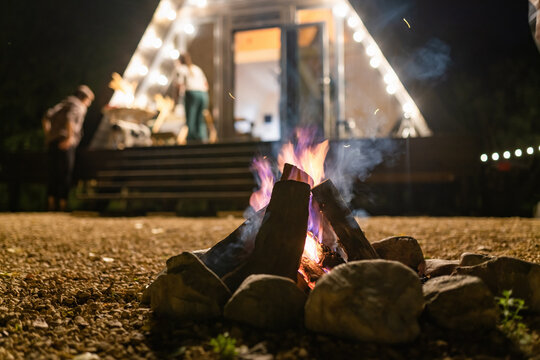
(495,156)
(359,35)
(137,68)
(141,101)
(506,154)
(408,107)
(483,158)
(375,62)
(518,152)
(406,133)
(389,78)
(391,89)
(341,9)
(353,21)
(166,11)
(530,150)
(157,42)
(153,77)
(198,3)
(189,29)
(162,80)
(174,54)
(371,50)
(142,69)
(152,40)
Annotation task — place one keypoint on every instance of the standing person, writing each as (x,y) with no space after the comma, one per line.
(62,125)
(192,82)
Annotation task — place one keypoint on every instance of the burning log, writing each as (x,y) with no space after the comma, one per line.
(280,241)
(232,251)
(349,234)
(291,172)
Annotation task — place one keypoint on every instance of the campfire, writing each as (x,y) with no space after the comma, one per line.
(301,227)
(301,259)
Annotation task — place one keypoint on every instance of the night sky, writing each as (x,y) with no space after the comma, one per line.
(471,66)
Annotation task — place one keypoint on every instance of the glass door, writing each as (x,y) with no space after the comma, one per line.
(305,84)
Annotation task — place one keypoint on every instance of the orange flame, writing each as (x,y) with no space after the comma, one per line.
(309,157)
(312,248)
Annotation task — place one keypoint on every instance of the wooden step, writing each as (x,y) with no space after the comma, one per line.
(177,173)
(106,184)
(179,163)
(207,195)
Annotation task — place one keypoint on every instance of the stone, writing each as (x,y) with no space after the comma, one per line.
(440,267)
(404,249)
(267,301)
(368,300)
(188,290)
(460,302)
(471,259)
(506,273)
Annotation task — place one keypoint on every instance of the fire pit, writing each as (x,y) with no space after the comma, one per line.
(302,259)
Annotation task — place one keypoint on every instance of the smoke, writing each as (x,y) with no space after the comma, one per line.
(430,62)
(351,161)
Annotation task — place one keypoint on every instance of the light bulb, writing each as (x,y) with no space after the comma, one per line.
(359,35)
(353,21)
(506,154)
(391,89)
(483,157)
(495,156)
(375,62)
(341,9)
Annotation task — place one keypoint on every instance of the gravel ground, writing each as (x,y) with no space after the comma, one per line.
(71,285)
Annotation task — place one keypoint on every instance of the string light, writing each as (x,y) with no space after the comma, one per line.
(518,152)
(506,154)
(530,150)
(391,89)
(198,3)
(353,21)
(483,158)
(495,156)
(189,28)
(375,62)
(341,9)
(162,80)
(359,35)
(371,50)
(166,11)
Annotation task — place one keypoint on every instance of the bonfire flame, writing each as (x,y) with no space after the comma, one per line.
(309,156)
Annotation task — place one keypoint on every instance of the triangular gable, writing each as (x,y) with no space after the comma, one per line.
(152,61)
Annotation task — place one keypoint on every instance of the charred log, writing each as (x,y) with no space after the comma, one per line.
(280,241)
(232,251)
(349,234)
(291,172)
(330,259)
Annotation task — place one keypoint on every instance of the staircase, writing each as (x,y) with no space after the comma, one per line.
(216,173)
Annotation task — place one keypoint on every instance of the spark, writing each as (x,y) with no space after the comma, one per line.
(232,96)
(376,111)
(406,22)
